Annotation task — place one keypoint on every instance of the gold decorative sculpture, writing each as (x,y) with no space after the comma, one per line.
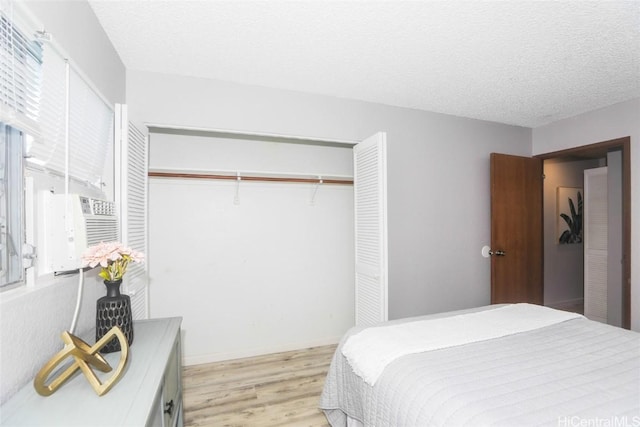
(84,355)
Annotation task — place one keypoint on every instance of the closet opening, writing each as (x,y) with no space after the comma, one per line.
(251,240)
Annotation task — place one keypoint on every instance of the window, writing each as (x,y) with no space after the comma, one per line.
(11,206)
(20,93)
(55,127)
(20,75)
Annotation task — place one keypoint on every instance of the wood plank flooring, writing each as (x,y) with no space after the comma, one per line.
(280,389)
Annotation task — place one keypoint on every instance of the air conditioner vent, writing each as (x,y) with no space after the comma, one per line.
(102,207)
(101,229)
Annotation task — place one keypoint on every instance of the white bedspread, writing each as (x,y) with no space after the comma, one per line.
(577,372)
(371,350)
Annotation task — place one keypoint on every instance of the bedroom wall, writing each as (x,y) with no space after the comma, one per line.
(272,272)
(563,264)
(438,172)
(616,121)
(31,319)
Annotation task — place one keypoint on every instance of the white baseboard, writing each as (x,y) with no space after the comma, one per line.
(199,359)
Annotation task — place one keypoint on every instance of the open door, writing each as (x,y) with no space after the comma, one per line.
(516,229)
(370,210)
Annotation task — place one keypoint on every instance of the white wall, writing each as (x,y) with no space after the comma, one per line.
(438,173)
(32,319)
(271,273)
(616,121)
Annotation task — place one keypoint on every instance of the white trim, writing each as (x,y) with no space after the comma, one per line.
(67,123)
(152,126)
(29,227)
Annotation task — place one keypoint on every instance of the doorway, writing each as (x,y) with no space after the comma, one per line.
(595,153)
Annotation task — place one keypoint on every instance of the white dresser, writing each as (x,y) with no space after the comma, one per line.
(148,394)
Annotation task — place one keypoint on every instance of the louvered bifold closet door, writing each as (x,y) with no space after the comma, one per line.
(370,230)
(595,229)
(131,197)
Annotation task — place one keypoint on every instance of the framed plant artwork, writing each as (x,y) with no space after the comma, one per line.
(569,215)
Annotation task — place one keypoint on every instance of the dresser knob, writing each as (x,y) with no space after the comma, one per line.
(168,407)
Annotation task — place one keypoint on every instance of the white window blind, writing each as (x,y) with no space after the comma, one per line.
(90,132)
(48,150)
(90,121)
(34,91)
(20,73)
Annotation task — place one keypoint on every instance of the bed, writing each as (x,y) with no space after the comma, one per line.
(572,372)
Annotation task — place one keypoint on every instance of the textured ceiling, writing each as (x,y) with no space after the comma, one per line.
(526,63)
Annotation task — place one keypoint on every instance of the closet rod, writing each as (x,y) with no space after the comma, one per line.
(249,178)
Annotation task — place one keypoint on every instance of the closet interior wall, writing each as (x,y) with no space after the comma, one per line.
(252,267)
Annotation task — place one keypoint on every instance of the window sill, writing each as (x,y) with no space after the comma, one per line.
(22,290)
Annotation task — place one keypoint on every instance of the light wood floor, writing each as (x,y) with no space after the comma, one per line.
(274,390)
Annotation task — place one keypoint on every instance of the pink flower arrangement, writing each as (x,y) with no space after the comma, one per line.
(113,257)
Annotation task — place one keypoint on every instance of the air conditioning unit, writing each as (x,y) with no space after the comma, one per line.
(78,222)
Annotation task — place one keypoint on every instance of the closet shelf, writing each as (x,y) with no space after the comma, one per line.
(254,176)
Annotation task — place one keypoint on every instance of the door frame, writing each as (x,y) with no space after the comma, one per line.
(598,150)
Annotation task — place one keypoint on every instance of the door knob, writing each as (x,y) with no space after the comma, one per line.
(487,252)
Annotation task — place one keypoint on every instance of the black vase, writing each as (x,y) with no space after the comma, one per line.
(114,309)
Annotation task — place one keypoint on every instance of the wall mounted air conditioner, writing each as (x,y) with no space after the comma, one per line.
(78,222)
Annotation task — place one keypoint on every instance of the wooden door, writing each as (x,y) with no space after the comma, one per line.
(516,229)
(370,197)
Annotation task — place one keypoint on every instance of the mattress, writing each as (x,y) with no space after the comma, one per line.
(576,372)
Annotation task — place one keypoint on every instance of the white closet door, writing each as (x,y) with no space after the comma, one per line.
(131,165)
(595,229)
(370,196)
